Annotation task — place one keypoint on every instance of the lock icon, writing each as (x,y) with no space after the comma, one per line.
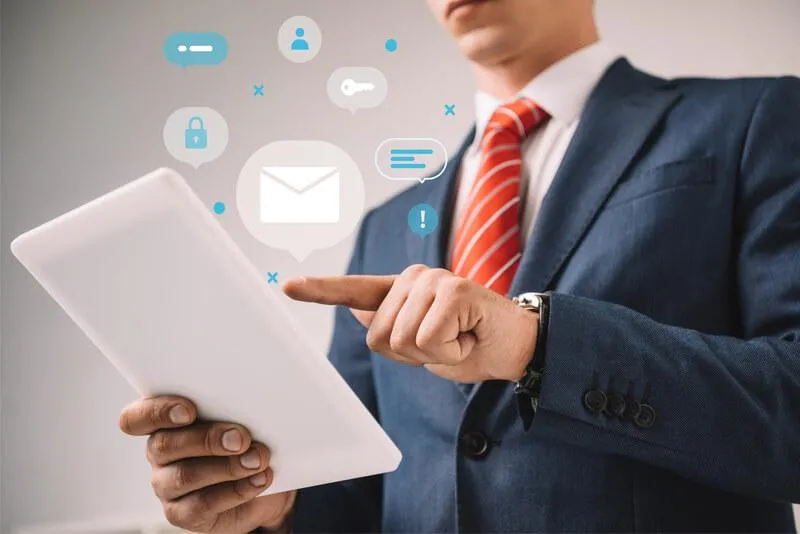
(196,134)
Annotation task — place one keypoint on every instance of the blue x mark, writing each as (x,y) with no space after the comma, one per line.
(450,109)
(272,278)
(258,90)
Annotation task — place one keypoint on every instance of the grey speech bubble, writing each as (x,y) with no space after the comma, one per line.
(299,39)
(196,135)
(354,88)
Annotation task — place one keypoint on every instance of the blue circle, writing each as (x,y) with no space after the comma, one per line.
(391,45)
(423,220)
(299,32)
(219,208)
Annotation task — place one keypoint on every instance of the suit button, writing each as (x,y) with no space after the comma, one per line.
(632,409)
(646,416)
(595,400)
(615,405)
(475,444)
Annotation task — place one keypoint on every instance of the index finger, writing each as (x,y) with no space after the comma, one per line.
(146,416)
(359,292)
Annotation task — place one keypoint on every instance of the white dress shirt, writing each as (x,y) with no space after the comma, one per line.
(562,90)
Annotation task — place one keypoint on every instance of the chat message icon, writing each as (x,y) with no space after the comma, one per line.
(354,88)
(300,196)
(195,48)
(418,159)
(196,135)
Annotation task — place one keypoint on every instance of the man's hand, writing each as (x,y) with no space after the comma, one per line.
(207,475)
(456,328)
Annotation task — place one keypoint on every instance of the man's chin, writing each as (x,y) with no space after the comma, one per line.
(486,45)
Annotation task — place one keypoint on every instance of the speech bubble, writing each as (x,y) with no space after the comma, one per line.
(354,88)
(186,49)
(196,135)
(299,39)
(300,196)
(423,220)
(411,159)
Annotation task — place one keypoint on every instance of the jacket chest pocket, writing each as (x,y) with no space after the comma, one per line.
(664,178)
(665,231)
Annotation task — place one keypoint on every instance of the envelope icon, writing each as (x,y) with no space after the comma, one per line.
(300,194)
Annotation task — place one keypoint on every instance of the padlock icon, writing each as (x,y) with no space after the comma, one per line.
(196,134)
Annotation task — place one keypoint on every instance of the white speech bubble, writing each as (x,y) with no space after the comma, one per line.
(417,163)
(196,135)
(354,88)
(300,196)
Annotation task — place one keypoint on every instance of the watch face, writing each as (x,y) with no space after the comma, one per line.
(530,300)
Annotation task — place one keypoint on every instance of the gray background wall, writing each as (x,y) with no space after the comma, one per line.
(85,93)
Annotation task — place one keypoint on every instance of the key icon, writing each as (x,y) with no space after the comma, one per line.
(350,87)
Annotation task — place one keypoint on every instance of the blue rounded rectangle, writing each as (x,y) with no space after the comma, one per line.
(195,48)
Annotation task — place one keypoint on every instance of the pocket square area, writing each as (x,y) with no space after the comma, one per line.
(300,194)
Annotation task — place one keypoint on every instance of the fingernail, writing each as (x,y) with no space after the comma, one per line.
(251,460)
(232,440)
(258,480)
(179,415)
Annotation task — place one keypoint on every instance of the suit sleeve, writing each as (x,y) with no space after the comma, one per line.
(353,505)
(726,411)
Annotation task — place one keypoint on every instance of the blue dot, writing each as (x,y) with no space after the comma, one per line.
(299,32)
(219,208)
(391,45)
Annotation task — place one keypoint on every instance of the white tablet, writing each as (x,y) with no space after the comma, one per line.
(148,273)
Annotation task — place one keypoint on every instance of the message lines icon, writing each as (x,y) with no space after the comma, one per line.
(411,159)
(406,158)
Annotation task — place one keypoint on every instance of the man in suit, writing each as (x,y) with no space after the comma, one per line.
(648,376)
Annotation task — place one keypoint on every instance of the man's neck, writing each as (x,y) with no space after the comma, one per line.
(506,78)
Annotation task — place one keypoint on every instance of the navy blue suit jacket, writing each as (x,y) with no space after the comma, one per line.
(671,240)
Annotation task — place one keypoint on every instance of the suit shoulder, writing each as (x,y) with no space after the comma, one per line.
(742,87)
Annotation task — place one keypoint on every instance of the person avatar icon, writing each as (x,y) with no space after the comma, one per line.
(299,39)
(300,44)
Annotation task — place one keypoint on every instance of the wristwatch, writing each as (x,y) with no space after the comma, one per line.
(529,387)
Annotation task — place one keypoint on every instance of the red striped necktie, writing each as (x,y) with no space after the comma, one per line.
(487,241)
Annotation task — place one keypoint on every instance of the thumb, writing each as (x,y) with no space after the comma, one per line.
(467,370)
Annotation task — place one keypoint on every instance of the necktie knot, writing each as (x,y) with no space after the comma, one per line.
(514,121)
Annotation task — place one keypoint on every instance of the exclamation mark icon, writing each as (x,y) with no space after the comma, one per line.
(423,219)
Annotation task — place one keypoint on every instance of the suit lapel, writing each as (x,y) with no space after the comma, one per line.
(441,193)
(619,117)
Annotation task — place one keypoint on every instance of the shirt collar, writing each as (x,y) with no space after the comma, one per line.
(562,89)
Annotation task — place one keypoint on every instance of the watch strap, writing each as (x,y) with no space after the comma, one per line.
(528,389)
